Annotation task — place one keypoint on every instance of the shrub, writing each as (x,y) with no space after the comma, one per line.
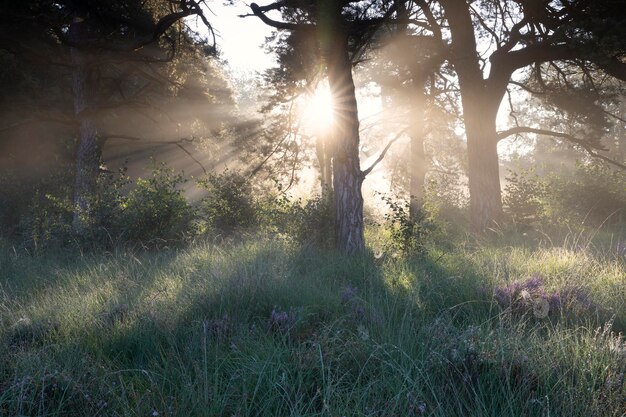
(524,197)
(44,217)
(408,233)
(594,194)
(154,209)
(305,222)
(229,205)
(530,296)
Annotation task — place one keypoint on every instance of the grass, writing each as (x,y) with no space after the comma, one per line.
(264,329)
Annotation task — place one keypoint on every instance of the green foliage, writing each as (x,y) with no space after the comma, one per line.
(524,197)
(149,211)
(36,212)
(593,194)
(408,233)
(229,205)
(446,200)
(304,222)
(47,222)
(154,209)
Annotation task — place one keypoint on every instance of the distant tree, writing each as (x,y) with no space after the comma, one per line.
(407,73)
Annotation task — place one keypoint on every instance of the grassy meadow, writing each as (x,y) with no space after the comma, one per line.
(259,328)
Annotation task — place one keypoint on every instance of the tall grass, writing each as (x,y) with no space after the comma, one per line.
(261,328)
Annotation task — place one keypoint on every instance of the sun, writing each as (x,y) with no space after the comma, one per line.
(318,109)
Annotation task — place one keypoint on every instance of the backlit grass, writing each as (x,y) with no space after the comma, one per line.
(264,329)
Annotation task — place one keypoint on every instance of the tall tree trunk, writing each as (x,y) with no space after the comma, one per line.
(483,165)
(418,164)
(324,159)
(347,175)
(480,108)
(88,149)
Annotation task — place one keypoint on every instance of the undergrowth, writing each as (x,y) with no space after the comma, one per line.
(263,328)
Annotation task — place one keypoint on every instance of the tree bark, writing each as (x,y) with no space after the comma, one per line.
(88,149)
(483,165)
(324,159)
(347,175)
(480,108)
(418,163)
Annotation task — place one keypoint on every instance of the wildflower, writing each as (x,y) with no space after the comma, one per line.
(570,297)
(554,302)
(534,283)
(282,320)
(525,296)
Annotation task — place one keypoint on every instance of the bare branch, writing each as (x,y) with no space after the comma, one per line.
(383,153)
(545,132)
(259,12)
(589,148)
(39,119)
(178,143)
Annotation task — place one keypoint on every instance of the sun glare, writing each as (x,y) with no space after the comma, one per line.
(318,110)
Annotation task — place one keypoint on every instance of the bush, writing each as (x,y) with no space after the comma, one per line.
(408,233)
(304,222)
(524,197)
(155,209)
(229,205)
(39,213)
(47,222)
(592,194)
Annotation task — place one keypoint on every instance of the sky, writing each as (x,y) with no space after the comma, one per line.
(239,39)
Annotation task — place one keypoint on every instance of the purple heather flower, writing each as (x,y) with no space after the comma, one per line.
(282,320)
(533,283)
(527,295)
(576,296)
(555,302)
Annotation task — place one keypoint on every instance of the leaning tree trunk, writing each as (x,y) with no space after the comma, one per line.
(88,149)
(347,175)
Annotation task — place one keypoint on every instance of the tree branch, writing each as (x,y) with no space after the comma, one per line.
(40,119)
(178,143)
(259,12)
(613,67)
(590,149)
(383,153)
